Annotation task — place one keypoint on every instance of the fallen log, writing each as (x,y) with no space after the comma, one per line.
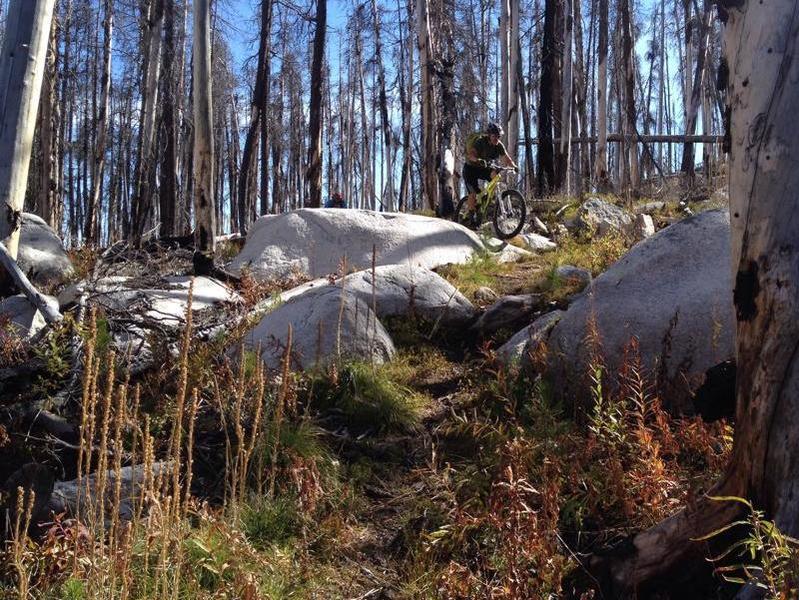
(50,313)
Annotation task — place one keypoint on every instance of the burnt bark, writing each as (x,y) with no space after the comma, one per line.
(763,90)
(315,150)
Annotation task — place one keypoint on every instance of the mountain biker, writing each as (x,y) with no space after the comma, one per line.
(482,148)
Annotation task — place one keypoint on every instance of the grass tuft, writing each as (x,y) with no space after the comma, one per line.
(482,270)
(368,399)
(268,522)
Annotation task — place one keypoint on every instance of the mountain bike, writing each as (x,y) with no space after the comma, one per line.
(509,208)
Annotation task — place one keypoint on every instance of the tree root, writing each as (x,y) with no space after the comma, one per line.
(668,549)
(204,265)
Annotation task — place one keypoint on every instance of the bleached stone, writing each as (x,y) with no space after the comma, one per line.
(41,253)
(328,323)
(538,243)
(316,242)
(20,317)
(673,292)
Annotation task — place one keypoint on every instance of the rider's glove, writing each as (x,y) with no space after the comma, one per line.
(484,163)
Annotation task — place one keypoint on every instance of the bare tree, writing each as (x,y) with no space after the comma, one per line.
(388,145)
(601,161)
(142,202)
(203,163)
(759,42)
(315,150)
(629,146)
(168,173)
(427,91)
(697,90)
(92,225)
(547,182)
(22,67)
(509,86)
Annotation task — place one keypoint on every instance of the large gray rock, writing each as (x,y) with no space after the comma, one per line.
(19,317)
(673,292)
(515,349)
(399,290)
(41,254)
(603,218)
(327,323)
(404,290)
(314,242)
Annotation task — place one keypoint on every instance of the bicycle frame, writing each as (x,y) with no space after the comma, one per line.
(485,195)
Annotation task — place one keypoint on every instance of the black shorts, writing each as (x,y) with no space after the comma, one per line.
(472,174)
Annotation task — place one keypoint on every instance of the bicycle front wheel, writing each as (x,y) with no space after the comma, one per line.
(510,211)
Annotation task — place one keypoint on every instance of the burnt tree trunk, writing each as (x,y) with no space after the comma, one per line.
(22,72)
(601,164)
(315,109)
(687,165)
(92,224)
(546,102)
(203,162)
(168,174)
(247,175)
(763,91)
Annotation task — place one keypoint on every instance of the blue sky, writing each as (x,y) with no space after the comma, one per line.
(245,11)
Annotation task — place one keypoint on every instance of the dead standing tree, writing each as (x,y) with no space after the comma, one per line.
(761,42)
(258,125)
(428,102)
(697,88)
(601,164)
(548,181)
(315,108)
(92,224)
(22,67)
(142,209)
(203,162)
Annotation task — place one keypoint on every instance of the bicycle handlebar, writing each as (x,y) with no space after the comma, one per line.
(496,167)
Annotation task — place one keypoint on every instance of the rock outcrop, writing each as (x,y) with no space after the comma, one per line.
(19,317)
(316,242)
(673,292)
(328,323)
(603,218)
(41,253)
(398,290)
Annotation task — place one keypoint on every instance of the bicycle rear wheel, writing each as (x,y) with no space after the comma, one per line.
(462,212)
(510,211)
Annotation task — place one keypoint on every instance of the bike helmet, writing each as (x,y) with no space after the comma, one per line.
(494,129)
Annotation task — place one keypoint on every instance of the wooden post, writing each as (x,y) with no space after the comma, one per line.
(22,71)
